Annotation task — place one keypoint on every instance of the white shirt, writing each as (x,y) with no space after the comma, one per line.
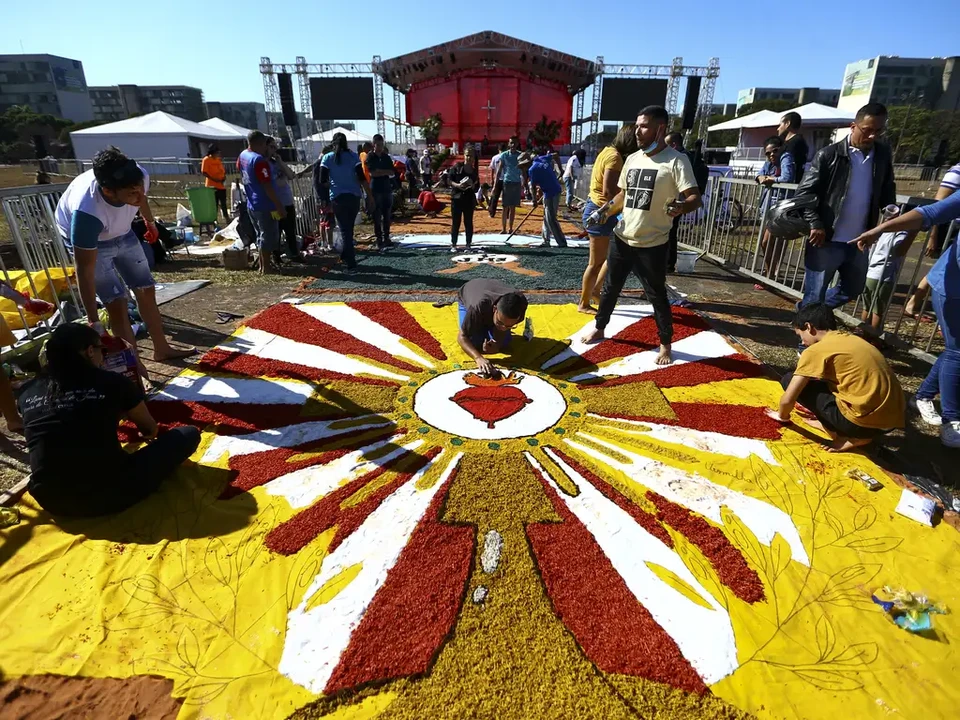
(425,164)
(573,169)
(495,165)
(83,194)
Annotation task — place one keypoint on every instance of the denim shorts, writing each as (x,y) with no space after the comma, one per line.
(121,264)
(604,230)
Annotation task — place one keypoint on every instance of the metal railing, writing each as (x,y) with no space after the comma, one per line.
(29,213)
(731,230)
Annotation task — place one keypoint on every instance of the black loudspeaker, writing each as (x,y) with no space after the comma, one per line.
(690,102)
(285,80)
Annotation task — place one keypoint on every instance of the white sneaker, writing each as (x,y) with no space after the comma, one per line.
(928,411)
(950,434)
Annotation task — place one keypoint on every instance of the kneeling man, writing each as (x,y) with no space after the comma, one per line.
(489,310)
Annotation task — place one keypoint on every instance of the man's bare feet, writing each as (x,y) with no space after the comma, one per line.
(664,357)
(587,309)
(594,336)
(171,353)
(844,444)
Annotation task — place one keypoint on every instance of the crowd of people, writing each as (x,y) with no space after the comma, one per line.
(638,187)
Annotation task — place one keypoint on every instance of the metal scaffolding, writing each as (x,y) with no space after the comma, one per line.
(306,106)
(705,101)
(597,91)
(673,85)
(576,132)
(378,95)
(397,125)
(271,95)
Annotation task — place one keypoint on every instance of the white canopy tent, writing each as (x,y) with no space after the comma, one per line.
(311,146)
(156,136)
(818,127)
(239,133)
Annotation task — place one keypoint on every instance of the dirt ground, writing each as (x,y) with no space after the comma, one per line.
(758,319)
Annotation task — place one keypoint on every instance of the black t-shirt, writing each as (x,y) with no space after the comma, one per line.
(478,297)
(380,162)
(798,148)
(457,173)
(72,435)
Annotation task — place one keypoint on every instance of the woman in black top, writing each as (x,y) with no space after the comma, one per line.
(464,181)
(70,416)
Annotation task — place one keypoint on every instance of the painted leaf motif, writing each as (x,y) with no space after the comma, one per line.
(826,639)
(780,554)
(834,524)
(866,516)
(188,649)
(829,680)
(858,654)
(875,544)
(217,561)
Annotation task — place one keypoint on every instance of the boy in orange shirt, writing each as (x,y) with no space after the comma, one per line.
(843,380)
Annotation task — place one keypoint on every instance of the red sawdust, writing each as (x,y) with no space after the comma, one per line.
(727,560)
(297,532)
(256,469)
(644,519)
(252,366)
(285,320)
(642,335)
(397,319)
(730,367)
(404,627)
(615,631)
(739,420)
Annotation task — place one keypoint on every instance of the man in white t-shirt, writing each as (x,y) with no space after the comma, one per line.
(656,185)
(94,216)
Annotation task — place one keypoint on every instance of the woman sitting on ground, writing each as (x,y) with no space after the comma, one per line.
(71,413)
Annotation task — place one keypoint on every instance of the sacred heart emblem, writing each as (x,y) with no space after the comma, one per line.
(491,400)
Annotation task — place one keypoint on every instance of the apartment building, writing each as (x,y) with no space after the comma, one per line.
(47,83)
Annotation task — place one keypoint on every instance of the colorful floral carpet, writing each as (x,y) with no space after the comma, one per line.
(436,269)
(369,529)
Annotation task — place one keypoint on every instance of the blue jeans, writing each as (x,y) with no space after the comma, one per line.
(345,208)
(382,207)
(821,263)
(268,230)
(944,376)
(121,264)
(551,221)
(569,183)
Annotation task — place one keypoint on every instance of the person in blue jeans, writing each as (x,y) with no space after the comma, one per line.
(379,167)
(851,180)
(263,200)
(542,175)
(342,184)
(944,278)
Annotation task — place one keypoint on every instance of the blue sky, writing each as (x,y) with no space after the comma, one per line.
(216,45)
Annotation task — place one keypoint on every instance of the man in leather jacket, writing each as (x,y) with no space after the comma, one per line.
(852,180)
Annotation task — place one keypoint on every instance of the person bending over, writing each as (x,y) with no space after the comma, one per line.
(489,309)
(70,414)
(843,380)
(94,216)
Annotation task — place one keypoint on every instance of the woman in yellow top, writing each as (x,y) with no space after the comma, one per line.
(604,185)
(212,169)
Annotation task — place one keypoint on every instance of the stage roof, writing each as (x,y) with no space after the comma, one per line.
(486,49)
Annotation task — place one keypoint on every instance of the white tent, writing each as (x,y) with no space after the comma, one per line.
(311,146)
(238,133)
(157,135)
(763,118)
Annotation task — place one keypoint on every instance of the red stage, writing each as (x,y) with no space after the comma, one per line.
(489,85)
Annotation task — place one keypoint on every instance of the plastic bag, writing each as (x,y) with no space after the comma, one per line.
(184,217)
(337,241)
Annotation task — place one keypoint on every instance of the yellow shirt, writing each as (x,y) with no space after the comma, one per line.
(650,183)
(608,159)
(213,167)
(868,393)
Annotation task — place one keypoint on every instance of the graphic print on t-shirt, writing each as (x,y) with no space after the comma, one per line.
(640,184)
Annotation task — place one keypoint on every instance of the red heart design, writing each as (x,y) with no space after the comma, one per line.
(491,404)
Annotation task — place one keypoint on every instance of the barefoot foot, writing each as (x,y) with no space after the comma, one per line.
(664,357)
(171,353)
(594,336)
(587,309)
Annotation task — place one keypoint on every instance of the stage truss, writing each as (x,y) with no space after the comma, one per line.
(307,126)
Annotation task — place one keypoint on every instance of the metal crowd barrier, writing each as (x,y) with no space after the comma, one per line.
(730,230)
(32,229)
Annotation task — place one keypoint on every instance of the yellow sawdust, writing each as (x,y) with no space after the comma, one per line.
(761,392)
(637,399)
(340,396)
